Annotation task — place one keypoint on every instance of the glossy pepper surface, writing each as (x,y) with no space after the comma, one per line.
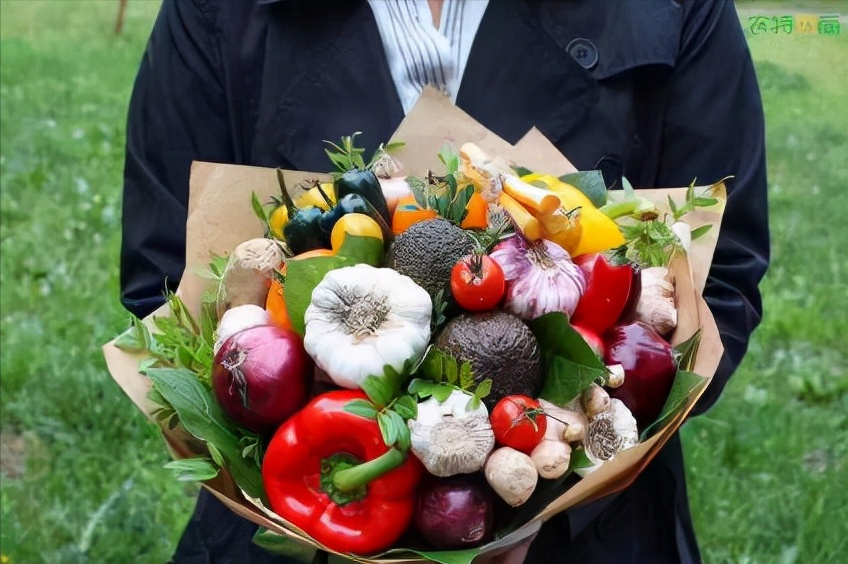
(328,472)
(351,203)
(366,184)
(598,232)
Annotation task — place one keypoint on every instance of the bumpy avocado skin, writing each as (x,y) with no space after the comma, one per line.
(427,251)
(499,346)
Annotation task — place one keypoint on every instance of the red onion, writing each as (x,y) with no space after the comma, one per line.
(260,376)
(540,277)
(455,512)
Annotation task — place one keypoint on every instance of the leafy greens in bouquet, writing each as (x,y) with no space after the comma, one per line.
(425,362)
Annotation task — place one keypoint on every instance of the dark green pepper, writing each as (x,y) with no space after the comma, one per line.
(351,203)
(303,230)
(366,184)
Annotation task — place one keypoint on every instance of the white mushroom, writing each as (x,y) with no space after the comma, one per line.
(512,475)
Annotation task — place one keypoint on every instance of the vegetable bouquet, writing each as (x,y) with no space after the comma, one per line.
(394,362)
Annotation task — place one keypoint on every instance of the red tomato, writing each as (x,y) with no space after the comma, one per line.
(477,283)
(518,422)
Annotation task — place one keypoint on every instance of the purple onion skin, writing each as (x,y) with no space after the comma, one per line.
(455,512)
(649,369)
(260,377)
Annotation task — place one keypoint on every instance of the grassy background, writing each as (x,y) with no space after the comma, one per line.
(81,469)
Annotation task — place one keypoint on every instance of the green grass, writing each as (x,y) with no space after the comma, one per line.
(767,466)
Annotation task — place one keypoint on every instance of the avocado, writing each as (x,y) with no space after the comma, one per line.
(427,252)
(498,345)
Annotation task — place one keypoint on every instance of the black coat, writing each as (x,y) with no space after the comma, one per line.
(659,91)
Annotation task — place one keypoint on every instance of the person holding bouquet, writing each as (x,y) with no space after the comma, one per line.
(658,91)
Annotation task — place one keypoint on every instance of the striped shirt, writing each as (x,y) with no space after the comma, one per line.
(419,54)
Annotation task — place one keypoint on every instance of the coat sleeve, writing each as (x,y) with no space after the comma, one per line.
(177,114)
(714,127)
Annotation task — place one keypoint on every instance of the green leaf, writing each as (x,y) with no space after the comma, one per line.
(400,429)
(700,231)
(627,187)
(216,455)
(566,379)
(193,469)
(451,370)
(361,407)
(672,206)
(687,350)
(279,544)
(378,390)
(450,556)
(556,336)
(466,376)
(202,416)
(483,389)
(258,210)
(302,276)
(702,202)
(579,459)
(358,249)
(521,171)
(135,339)
(591,183)
(388,427)
(685,384)
(426,388)
(406,407)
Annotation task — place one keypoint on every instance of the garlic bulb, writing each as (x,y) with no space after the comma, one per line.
(540,277)
(449,438)
(656,305)
(362,318)
(609,433)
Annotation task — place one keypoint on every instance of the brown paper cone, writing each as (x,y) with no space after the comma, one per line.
(220,217)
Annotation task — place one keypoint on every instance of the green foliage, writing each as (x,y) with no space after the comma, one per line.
(444,194)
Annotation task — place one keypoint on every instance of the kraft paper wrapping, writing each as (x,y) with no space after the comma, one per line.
(220,217)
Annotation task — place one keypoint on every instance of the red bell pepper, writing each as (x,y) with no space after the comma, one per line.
(608,291)
(328,472)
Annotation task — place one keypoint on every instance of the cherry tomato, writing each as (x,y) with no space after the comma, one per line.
(518,422)
(477,283)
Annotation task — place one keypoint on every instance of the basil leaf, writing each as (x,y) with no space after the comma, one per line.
(566,379)
(685,384)
(556,336)
(193,469)
(579,459)
(687,350)
(279,544)
(302,275)
(591,183)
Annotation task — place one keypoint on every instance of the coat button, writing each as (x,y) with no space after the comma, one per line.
(584,52)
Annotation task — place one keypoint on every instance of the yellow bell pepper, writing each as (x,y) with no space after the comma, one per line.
(598,232)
